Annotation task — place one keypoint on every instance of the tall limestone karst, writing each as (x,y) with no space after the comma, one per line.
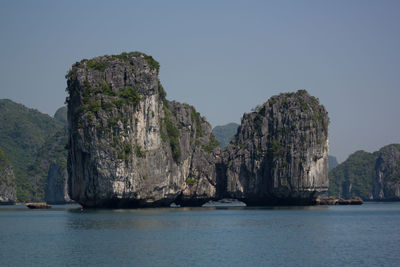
(280,153)
(7,180)
(128,145)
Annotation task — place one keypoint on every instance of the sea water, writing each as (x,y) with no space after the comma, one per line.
(366,235)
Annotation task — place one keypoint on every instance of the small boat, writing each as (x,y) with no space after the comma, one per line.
(38,205)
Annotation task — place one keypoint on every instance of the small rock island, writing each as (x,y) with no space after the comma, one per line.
(128,146)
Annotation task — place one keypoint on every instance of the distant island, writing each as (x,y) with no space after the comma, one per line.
(371,176)
(225,133)
(34,145)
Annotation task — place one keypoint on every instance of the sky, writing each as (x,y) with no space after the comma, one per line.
(223,57)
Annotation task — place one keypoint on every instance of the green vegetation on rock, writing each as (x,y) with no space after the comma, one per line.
(196,118)
(172,135)
(153,64)
(212,144)
(139,152)
(191,181)
(97,65)
(130,95)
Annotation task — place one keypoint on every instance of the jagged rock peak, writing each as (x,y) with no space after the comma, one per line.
(128,145)
(280,152)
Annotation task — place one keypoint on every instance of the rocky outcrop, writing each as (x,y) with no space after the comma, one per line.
(7,181)
(340,201)
(128,145)
(279,154)
(386,183)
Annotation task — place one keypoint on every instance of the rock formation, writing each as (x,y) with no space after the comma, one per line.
(131,147)
(386,183)
(128,145)
(7,181)
(280,153)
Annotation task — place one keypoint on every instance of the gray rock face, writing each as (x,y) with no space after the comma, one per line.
(128,145)
(386,185)
(280,153)
(7,181)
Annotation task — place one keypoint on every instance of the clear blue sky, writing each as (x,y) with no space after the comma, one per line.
(223,57)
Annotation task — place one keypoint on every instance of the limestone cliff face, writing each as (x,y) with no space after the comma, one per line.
(7,181)
(128,145)
(386,184)
(280,153)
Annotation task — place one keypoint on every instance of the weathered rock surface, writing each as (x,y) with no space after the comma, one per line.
(128,145)
(7,181)
(386,184)
(280,153)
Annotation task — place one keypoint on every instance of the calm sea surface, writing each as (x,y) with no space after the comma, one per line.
(367,235)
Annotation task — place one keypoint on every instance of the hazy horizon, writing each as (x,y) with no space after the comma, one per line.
(222,57)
